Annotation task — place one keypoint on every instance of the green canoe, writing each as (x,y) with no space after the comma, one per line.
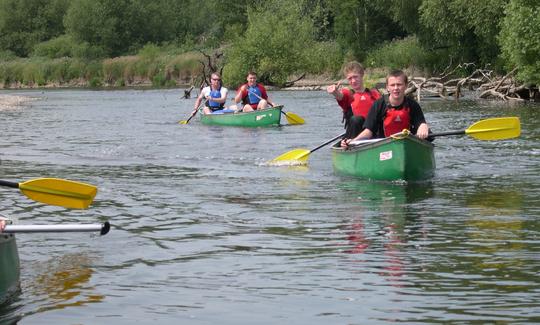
(9,267)
(265,117)
(405,158)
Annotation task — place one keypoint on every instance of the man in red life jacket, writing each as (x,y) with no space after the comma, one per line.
(355,101)
(399,112)
(252,94)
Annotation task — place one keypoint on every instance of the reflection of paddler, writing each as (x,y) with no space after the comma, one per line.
(357,238)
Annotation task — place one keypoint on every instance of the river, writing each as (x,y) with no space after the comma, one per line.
(205,232)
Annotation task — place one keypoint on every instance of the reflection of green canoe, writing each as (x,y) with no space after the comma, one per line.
(395,158)
(266,117)
(9,266)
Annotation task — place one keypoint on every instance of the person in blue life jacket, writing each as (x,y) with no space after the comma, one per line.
(392,115)
(215,96)
(355,100)
(252,95)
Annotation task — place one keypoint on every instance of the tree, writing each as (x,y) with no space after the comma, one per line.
(274,44)
(519,39)
(467,29)
(122,26)
(24,23)
(361,25)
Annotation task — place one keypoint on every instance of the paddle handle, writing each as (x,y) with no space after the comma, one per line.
(9,184)
(102,228)
(327,142)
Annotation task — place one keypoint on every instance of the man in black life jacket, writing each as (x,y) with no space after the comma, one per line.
(355,100)
(392,116)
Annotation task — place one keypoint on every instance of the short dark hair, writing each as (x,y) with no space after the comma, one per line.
(251,73)
(397,74)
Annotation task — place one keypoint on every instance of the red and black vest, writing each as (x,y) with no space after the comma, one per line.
(362,102)
(396,120)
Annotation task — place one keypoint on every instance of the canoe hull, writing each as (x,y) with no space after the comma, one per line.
(260,118)
(407,158)
(9,267)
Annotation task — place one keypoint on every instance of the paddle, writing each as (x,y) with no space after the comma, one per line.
(498,128)
(54,191)
(303,154)
(192,114)
(292,118)
(102,228)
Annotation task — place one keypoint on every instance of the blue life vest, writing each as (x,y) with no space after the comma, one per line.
(252,98)
(215,94)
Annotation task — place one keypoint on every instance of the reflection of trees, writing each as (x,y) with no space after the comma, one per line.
(485,253)
(65,281)
(496,227)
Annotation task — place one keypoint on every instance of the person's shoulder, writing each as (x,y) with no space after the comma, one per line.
(375,93)
(408,101)
(347,91)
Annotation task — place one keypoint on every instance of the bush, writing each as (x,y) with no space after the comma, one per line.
(398,54)
(59,47)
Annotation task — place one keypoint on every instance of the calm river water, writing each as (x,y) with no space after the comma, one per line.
(204,232)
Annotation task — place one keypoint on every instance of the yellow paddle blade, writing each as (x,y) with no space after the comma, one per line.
(60,192)
(294,118)
(183,122)
(495,129)
(296,154)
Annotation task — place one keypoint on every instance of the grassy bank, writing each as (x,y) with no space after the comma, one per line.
(156,70)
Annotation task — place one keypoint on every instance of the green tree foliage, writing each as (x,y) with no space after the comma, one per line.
(24,23)
(274,44)
(278,38)
(520,41)
(468,29)
(122,26)
(360,25)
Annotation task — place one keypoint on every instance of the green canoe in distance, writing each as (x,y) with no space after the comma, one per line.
(266,117)
(9,267)
(406,158)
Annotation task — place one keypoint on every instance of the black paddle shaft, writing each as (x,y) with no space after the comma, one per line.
(327,142)
(9,184)
(447,133)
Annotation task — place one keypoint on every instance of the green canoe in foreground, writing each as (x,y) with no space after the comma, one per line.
(9,267)
(266,117)
(405,158)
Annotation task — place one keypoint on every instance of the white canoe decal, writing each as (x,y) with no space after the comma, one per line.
(385,155)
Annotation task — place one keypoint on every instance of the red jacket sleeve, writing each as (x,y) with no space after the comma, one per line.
(347,99)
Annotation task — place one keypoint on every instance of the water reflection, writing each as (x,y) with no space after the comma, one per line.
(64,282)
(383,223)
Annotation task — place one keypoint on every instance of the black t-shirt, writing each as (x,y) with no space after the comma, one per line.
(377,113)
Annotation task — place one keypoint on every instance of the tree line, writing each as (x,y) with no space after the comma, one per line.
(280,38)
